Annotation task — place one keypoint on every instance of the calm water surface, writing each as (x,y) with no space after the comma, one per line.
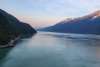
(53,50)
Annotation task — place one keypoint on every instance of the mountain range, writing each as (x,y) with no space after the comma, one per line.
(89,24)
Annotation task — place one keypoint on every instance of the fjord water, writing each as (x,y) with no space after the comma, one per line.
(47,49)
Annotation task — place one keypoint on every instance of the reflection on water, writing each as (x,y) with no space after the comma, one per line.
(3,54)
(56,50)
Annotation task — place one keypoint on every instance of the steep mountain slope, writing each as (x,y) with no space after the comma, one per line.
(11,27)
(89,24)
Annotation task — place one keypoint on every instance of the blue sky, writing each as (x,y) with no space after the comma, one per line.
(48,12)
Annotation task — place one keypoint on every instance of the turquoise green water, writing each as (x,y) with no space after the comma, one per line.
(53,50)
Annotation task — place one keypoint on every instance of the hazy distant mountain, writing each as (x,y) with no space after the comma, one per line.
(10,28)
(89,24)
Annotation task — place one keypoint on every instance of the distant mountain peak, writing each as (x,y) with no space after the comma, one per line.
(95,14)
(92,15)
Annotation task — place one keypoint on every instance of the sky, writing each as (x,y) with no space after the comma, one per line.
(40,13)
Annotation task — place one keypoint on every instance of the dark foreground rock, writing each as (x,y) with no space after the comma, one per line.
(12,29)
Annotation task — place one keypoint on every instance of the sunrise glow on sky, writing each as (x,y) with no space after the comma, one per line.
(47,12)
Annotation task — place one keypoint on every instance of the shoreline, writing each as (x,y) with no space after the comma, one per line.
(11,43)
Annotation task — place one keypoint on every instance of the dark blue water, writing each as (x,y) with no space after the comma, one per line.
(55,50)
